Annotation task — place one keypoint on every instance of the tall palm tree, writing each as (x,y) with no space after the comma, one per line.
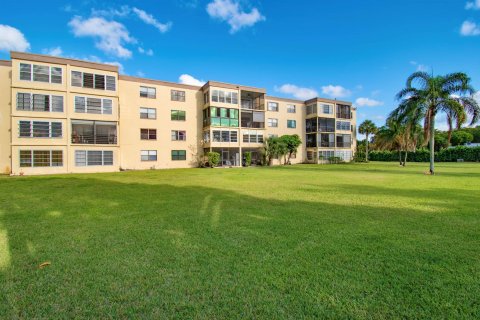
(389,137)
(426,95)
(367,128)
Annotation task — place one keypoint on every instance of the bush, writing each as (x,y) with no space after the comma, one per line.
(248,159)
(423,155)
(213,159)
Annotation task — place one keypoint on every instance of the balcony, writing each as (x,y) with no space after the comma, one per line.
(344,144)
(251,100)
(253,119)
(94,132)
(343,115)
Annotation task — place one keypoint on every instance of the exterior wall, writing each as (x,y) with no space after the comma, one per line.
(131,123)
(126,106)
(5,101)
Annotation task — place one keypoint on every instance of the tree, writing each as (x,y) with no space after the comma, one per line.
(426,95)
(292,142)
(367,128)
(213,159)
(273,149)
(460,137)
(388,137)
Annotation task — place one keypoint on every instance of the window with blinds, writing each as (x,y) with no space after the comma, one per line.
(85,158)
(40,73)
(39,129)
(39,102)
(41,158)
(93,81)
(93,105)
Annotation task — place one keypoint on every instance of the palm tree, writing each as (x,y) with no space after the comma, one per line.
(426,95)
(367,127)
(389,137)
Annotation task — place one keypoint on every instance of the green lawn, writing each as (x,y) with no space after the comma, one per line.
(333,241)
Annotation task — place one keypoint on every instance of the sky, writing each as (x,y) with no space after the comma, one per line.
(358,51)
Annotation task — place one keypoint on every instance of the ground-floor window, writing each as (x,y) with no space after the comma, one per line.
(41,158)
(93,158)
(178,155)
(345,155)
(148,155)
(326,154)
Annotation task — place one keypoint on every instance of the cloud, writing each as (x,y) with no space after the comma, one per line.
(469,28)
(111,36)
(12,39)
(423,68)
(367,102)
(148,52)
(122,12)
(413,63)
(188,79)
(298,92)
(140,74)
(473,5)
(149,19)
(57,51)
(336,91)
(230,11)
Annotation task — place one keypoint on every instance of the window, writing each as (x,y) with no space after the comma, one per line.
(291,108)
(272,106)
(326,125)
(343,111)
(148,113)
(148,92)
(93,158)
(291,124)
(343,125)
(94,132)
(273,123)
(310,155)
(93,81)
(41,158)
(178,115)
(39,102)
(148,155)
(326,154)
(327,140)
(179,135)
(312,109)
(343,141)
(40,129)
(311,125)
(148,134)
(206,96)
(345,155)
(311,140)
(176,95)
(225,136)
(40,73)
(178,155)
(252,136)
(225,96)
(93,105)
(326,108)
(206,136)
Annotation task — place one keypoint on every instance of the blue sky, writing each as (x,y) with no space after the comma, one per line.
(360,51)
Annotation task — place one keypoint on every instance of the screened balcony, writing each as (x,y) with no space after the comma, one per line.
(252,100)
(253,119)
(94,132)
(344,111)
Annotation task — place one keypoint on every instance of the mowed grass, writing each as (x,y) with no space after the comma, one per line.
(333,241)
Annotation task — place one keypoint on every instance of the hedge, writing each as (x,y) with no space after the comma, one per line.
(423,155)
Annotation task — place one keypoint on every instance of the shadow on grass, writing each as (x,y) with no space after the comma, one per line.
(127,250)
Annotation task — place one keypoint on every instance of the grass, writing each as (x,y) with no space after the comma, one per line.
(334,241)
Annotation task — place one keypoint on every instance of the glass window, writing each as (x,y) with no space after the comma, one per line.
(148,92)
(215,95)
(25,71)
(178,115)
(273,123)
(177,95)
(77,79)
(148,155)
(179,135)
(291,124)
(291,108)
(24,101)
(148,113)
(178,155)
(100,81)
(272,106)
(56,75)
(41,73)
(148,134)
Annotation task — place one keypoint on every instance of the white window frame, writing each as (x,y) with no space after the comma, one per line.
(39,65)
(272,122)
(85,109)
(50,131)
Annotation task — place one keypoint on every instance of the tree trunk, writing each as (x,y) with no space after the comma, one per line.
(366,148)
(432,144)
(449,137)
(400,155)
(405,159)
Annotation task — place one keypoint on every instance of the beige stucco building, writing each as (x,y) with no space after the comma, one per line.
(62,115)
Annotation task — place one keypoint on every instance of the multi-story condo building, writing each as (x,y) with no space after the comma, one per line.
(61,115)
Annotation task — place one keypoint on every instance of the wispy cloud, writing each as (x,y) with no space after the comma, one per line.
(148,52)
(231,12)
(469,28)
(367,102)
(190,80)
(473,5)
(297,92)
(111,36)
(12,39)
(336,91)
(150,19)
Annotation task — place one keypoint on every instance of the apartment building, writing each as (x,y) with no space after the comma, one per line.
(61,115)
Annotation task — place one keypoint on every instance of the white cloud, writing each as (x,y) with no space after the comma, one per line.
(413,63)
(230,11)
(469,28)
(188,79)
(12,39)
(423,68)
(111,36)
(149,19)
(473,5)
(148,52)
(336,91)
(57,51)
(298,92)
(367,102)
(140,74)
(122,12)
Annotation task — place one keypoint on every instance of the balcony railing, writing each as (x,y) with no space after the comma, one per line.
(344,115)
(94,139)
(252,105)
(324,144)
(344,144)
(256,125)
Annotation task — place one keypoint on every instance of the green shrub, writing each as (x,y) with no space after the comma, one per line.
(213,159)
(248,158)
(423,155)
